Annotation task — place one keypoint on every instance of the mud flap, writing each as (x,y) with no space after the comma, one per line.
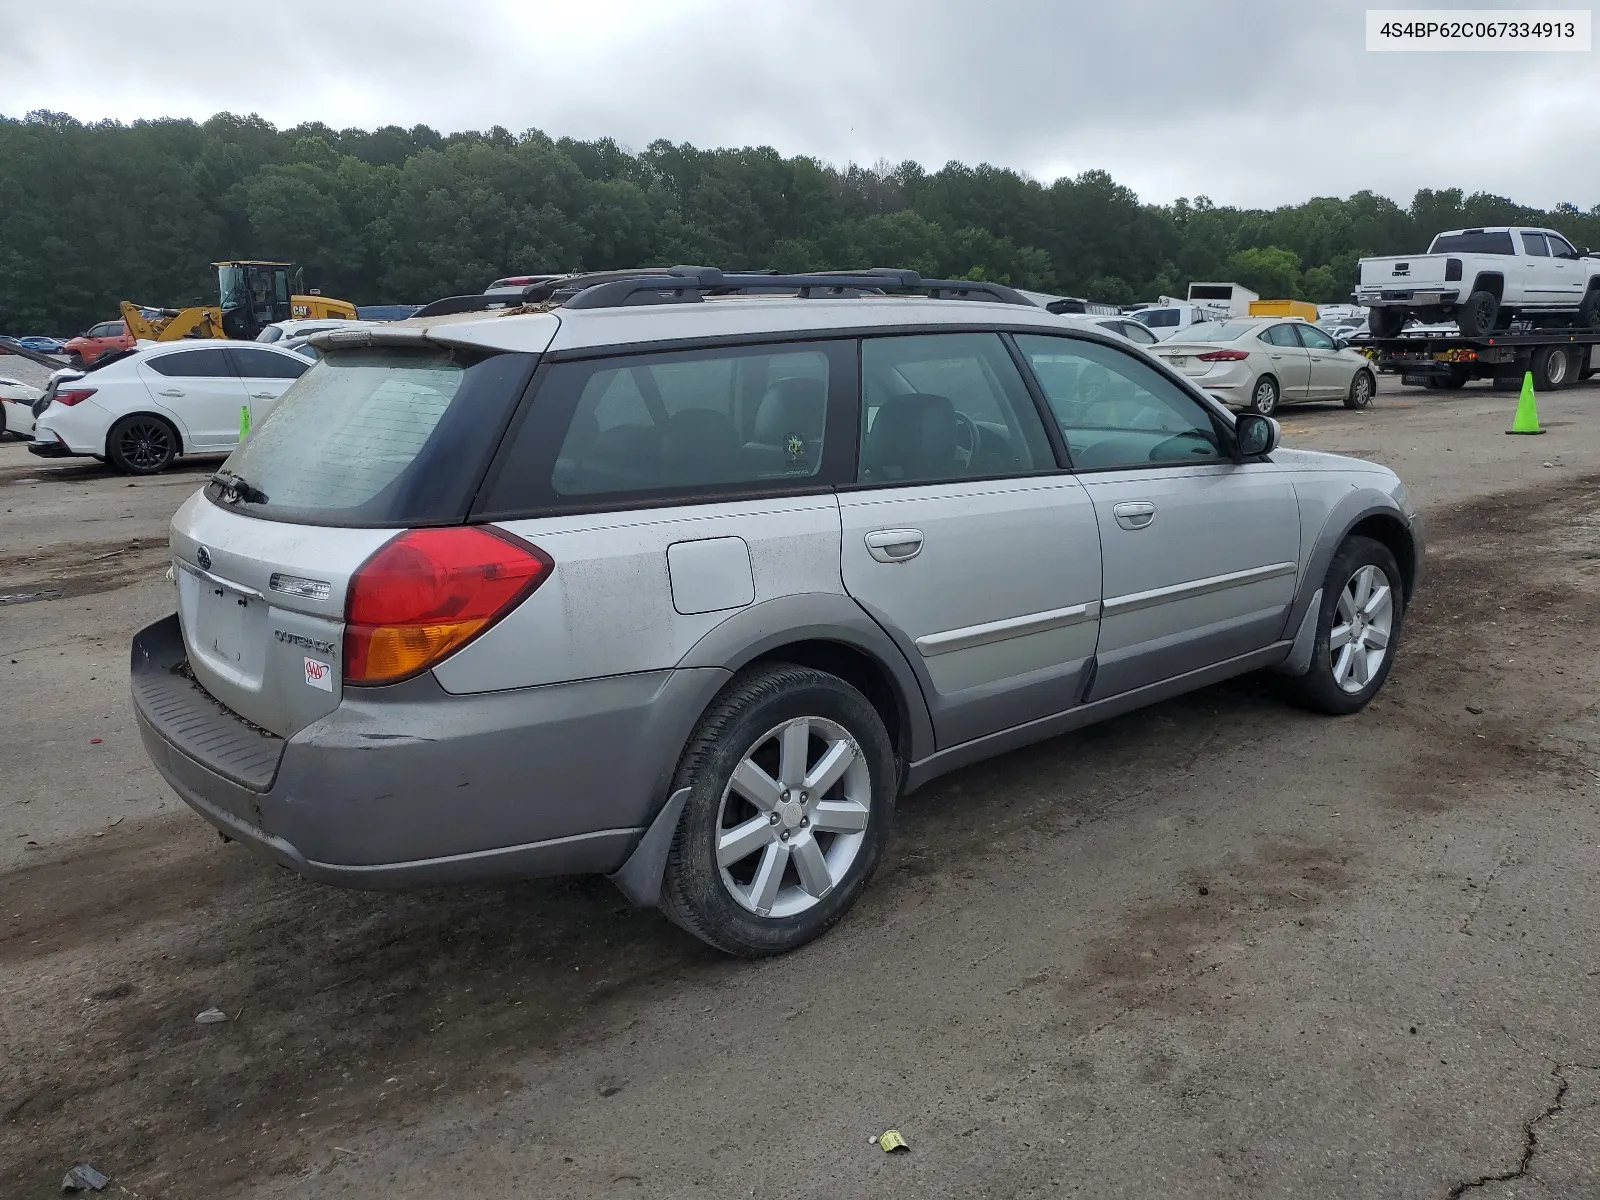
(639,879)
(1305,641)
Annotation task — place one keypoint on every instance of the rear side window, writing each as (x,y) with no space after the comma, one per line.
(192,364)
(943,407)
(1473,242)
(378,437)
(1280,335)
(1535,245)
(679,426)
(263,364)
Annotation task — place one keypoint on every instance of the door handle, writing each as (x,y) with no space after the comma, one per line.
(263,395)
(170,392)
(894,545)
(1135,514)
(1277,356)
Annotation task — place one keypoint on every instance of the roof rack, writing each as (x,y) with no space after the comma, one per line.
(690,285)
(681,285)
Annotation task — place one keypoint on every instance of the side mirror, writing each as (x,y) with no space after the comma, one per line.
(1342,343)
(1256,435)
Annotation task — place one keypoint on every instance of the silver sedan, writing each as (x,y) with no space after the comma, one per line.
(1260,363)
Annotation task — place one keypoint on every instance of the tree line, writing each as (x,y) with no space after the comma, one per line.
(92,214)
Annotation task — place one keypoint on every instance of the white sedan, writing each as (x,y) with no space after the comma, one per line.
(16,408)
(149,408)
(1262,362)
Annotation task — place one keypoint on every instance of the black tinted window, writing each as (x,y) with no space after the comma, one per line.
(263,364)
(946,406)
(1535,245)
(1473,243)
(1561,248)
(192,364)
(647,428)
(1116,410)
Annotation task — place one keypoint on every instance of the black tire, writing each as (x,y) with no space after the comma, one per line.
(1317,689)
(1362,389)
(761,699)
(1386,322)
(142,445)
(1589,311)
(1453,382)
(1553,367)
(1264,397)
(1477,316)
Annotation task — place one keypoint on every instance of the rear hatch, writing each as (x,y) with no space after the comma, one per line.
(372,441)
(1406,270)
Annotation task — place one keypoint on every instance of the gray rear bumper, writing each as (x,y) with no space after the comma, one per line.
(409,785)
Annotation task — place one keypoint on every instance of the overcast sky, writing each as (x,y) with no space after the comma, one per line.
(1247,101)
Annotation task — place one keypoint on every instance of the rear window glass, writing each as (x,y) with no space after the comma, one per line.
(1222,331)
(1472,243)
(380,436)
(1158,318)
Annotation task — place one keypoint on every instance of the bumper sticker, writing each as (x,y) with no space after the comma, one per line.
(319,675)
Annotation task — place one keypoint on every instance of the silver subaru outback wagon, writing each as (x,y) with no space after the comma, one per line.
(686,579)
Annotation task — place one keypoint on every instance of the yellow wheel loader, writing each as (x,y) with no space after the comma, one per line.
(250,296)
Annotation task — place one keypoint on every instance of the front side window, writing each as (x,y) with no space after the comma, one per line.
(1561,248)
(1313,338)
(1116,411)
(1535,245)
(193,364)
(1138,333)
(944,407)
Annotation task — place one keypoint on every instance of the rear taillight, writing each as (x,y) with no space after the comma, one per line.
(1452,270)
(71,396)
(1223,355)
(430,591)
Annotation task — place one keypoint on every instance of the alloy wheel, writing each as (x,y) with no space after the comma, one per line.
(1265,399)
(1363,627)
(145,444)
(793,817)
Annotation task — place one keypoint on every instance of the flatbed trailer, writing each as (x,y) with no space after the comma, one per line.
(1557,358)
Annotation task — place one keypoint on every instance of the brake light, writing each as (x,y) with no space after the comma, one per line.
(429,592)
(71,396)
(1452,270)
(1223,355)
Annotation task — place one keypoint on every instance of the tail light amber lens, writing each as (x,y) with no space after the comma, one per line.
(428,592)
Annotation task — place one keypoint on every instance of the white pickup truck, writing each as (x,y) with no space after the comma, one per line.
(1483,279)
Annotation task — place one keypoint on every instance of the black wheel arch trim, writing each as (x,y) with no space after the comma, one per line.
(767,627)
(1360,505)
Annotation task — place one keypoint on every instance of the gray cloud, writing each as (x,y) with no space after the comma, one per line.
(1248,101)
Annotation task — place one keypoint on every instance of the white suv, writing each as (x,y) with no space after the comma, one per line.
(687,580)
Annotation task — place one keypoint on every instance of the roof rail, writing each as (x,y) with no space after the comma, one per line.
(680,285)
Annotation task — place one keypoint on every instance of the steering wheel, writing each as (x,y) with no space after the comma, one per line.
(966,440)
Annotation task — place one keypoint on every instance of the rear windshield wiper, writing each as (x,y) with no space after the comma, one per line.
(236,488)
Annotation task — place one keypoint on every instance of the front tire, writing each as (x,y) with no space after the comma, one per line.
(142,445)
(1358,627)
(1362,388)
(792,783)
(1264,397)
(1589,311)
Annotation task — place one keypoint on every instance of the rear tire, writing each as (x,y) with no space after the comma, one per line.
(1338,683)
(727,843)
(1264,396)
(1362,388)
(142,445)
(1553,367)
(1386,322)
(1477,316)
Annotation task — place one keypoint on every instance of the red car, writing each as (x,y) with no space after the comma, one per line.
(105,338)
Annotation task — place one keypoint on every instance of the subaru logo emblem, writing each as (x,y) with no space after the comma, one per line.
(203,557)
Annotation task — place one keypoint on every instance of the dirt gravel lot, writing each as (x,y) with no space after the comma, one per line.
(1217,948)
